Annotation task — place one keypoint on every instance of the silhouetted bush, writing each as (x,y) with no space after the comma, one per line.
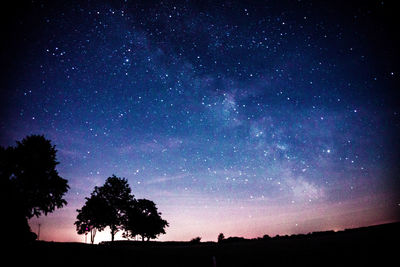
(266,237)
(221,237)
(196,240)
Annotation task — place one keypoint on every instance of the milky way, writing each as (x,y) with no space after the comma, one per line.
(235,117)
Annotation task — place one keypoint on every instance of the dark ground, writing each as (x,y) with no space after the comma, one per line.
(370,246)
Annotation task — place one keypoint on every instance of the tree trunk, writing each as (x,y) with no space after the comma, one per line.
(112,233)
(92,234)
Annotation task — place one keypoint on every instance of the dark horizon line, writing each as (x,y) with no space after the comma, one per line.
(243,239)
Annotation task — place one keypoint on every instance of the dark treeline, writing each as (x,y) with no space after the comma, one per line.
(370,246)
(313,235)
(267,237)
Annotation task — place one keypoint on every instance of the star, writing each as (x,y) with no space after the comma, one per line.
(282,109)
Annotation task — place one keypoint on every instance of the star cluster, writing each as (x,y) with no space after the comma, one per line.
(243,118)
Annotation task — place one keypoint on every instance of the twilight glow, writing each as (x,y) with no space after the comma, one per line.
(247,119)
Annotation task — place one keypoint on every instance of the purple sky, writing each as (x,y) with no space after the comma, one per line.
(246,119)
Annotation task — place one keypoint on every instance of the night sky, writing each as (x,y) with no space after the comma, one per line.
(246,118)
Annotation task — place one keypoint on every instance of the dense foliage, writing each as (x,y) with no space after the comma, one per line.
(30,184)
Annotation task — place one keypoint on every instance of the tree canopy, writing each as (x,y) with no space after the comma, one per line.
(30,183)
(144,219)
(106,206)
(94,216)
(113,205)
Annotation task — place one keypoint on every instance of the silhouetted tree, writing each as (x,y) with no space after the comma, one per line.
(144,219)
(221,237)
(30,184)
(94,216)
(116,198)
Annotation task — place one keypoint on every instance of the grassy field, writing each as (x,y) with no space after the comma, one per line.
(370,246)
